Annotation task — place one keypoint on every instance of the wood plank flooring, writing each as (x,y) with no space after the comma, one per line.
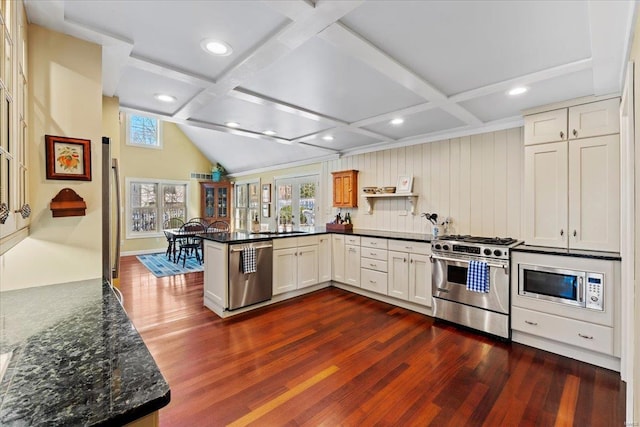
(335,358)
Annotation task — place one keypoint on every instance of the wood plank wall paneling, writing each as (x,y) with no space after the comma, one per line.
(476,180)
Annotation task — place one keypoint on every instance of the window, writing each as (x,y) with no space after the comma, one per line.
(151,202)
(297,195)
(247,204)
(143,131)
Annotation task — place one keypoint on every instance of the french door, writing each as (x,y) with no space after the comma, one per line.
(296,201)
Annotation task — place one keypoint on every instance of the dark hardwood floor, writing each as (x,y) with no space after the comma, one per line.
(336,358)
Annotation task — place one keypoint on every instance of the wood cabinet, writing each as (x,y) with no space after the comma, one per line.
(295,263)
(575,122)
(345,189)
(572,186)
(215,201)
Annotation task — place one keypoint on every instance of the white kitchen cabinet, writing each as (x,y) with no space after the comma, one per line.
(550,126)
(337,258)
(375,281)
(410,271)
(594,193)
(583,120)
(324,258)
(572,194)
(216,275)
(295,263)
(352,265)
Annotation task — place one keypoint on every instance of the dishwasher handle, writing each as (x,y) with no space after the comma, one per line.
(241,248)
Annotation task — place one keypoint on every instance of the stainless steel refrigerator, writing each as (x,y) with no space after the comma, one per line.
(110,217)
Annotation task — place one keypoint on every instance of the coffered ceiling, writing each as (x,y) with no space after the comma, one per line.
(344,69)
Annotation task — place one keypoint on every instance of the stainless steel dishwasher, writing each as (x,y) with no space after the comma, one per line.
(250,288)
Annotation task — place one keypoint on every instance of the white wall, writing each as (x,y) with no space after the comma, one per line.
(65,98)
(475,180)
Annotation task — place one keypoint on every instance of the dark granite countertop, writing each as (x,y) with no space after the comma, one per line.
(612,256)
(76,359)
(238,237)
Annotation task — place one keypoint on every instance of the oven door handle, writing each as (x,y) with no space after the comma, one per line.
(441,258)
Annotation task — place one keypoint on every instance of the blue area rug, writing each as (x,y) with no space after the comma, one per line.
(161,266)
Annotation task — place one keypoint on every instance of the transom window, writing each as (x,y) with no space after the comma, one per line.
(143,131)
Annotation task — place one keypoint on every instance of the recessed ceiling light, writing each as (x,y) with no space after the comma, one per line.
(232,124)
(216,47)
(518,90)
(327,138)
(164,97)
(269,132)
(397,121)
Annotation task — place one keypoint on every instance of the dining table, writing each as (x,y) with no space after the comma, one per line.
(175,234)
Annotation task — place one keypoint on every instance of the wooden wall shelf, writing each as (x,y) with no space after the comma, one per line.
(67,203)
(371,198)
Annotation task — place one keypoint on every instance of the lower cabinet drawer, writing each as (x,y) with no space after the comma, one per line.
(372,280)
(569,331)
(380,254)
(373,264)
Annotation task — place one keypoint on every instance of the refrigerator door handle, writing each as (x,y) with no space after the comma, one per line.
(116,178)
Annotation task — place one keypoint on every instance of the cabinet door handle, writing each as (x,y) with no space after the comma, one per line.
(586,337)
(372,265)
(561,232)
(528,322)
(561,135)
(373,243)
(404,260)
(575,233)
(372,281)
(575,132)
(408,247)
(411,261)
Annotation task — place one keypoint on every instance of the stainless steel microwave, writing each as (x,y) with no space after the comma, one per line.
(578,288)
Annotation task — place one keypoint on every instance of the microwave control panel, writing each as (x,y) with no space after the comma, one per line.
(595,291)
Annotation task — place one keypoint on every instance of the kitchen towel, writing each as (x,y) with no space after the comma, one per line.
(478,276)
(249,264)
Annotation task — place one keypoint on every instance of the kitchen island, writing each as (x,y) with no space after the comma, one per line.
(306,261)
(75,358)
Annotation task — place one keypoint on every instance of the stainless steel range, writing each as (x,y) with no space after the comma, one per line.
(453,301)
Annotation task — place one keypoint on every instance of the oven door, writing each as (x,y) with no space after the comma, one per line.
(449,281)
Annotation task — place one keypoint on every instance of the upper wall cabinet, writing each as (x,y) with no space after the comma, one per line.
(345,189)
(580,121)
(572,188)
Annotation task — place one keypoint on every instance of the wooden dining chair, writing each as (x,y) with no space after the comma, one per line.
(170,224)
(191,245)
(218,227)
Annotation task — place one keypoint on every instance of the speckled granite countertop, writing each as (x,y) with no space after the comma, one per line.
(76,359)
(239,237)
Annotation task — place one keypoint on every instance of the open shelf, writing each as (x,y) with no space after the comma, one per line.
(371,198)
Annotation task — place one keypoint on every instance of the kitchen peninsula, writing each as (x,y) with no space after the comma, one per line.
(75,359)
(306,261)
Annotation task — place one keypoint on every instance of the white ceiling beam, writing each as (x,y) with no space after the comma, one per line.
(608,48)
(527,79)
(168,71)
(277,46)
(404,112)
(294,10)
(358,47)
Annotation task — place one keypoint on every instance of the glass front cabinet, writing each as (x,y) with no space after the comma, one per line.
(215,201)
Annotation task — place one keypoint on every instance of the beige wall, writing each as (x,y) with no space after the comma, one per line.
(65,93)
(177,159)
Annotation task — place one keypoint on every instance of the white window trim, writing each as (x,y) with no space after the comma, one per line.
(158,146)
(142,235)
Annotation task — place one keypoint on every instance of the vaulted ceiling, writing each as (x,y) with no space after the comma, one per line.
(328,76)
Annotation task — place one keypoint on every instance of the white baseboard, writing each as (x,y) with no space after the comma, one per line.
(143,252)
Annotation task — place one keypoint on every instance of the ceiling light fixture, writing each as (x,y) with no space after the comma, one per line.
(216,47)
(269,132)
(518,90)
(164,97)
(397,121)
(327,138)
(232,124)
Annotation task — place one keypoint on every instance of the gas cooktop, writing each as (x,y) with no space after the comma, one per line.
(474,247)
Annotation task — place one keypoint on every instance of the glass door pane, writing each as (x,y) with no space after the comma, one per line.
(222,202)
(307,205)
(283,208)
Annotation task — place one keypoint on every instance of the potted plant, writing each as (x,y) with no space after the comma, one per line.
(216,172)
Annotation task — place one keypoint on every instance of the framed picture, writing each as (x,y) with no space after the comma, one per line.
(68,158)
(266,210)
(266,193)
(405,184)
